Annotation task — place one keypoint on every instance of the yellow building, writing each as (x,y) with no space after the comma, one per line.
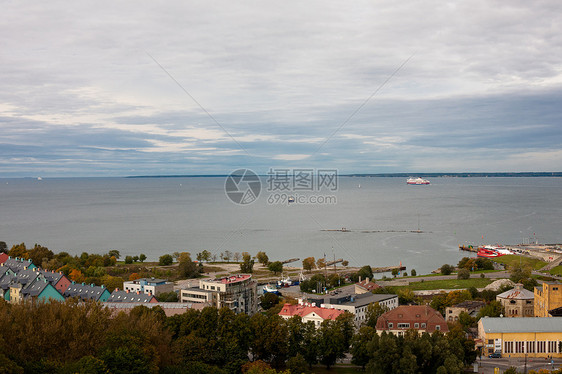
(517,337)
(548,296)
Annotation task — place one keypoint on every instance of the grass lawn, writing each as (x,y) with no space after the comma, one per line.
(556,271)
(448,284)
(511,260)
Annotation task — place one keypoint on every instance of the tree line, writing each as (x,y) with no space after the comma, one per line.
(70,337)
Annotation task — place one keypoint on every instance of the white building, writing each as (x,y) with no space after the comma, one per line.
(147,286)
(237,292)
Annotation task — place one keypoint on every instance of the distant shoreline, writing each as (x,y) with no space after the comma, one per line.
(393,175)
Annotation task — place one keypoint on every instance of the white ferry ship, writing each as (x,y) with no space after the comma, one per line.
(417,181)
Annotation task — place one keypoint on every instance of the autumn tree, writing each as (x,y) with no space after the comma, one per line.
(114,253)
(77,276)
(19,250)
(321,263)
(247,265)
(308,264)
(39,254)
(186,267)
(262,258)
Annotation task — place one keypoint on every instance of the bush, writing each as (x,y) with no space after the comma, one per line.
(463,274)
(129,259)
(446,269)
(165,260)
(414,273)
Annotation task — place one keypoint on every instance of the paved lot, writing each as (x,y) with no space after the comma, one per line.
(487,365)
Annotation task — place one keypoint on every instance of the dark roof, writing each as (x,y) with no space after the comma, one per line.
(35,288)
(556,312)
(27,276)
(6,280)
(470,304)
(17,264)
(120,296)
(84,291)
(52,276)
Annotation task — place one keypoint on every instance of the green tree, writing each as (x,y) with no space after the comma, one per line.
(365,272)
(128,259)
(269,300)
(3,247)
(165,260)
(115,253)
(519,273)
(395,272)
(493,309)
(40,254)
(446,269)
(171,296)
(374,311)
(331,343)
(308,264)
(275,267)
(247,265)
(204,256)
(135,258)
(297,364)
(262,258)
(186,267)
(360,346)
(414,273)
(142,257)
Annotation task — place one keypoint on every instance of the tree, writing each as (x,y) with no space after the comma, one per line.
(275,267)
(171,296)
(135,258)
(269,300)
(360,346)
(414,273)
(374,311)
(344,263)
(77,276)
(204,256)
(40,254)
(365,272)
(331,343)
(446,269)
(262,258)
(165,260)
(186,267)
(321,263)
(115,253)
(134,276)
(247,265)
(142,257)
(19,250)
(3,247)
(463,274)
(395,272)
(128,259)
(227,255)
(520,273)
(493,309)
(236,256)
(308,264)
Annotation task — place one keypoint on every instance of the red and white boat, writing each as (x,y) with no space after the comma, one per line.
(417,181)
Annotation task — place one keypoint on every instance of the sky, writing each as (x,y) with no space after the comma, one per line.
(125,88)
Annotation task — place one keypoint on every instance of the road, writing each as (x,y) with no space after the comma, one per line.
(487,365)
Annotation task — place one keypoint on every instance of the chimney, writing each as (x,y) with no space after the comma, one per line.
(359,279)
(127,291)
(366,280)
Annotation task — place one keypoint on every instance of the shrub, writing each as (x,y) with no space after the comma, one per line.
(165,260)
(463,274)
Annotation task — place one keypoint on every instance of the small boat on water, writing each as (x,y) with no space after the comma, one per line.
(417,181)
(268,288)
(490,251)
(290,199)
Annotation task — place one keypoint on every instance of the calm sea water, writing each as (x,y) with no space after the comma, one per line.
(163,215)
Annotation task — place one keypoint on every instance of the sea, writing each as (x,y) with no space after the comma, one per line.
(379,221)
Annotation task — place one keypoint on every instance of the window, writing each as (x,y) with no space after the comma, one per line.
(519,347)
(416,325)
(403,325)
(541,347)
(490,341)
(512,301)
(390,325)
(423,325)
(437,327)
(530,347)
(508,347)
(554,288)
(552,347)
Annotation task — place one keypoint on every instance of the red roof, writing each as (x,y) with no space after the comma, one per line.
(304,310)
(3,257)
(412,314)
(369,286)
(234,278)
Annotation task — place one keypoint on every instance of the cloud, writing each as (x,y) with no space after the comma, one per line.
(81,95)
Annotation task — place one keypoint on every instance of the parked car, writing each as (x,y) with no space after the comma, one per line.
(495,355)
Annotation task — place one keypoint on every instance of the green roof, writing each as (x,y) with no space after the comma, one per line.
(527,324)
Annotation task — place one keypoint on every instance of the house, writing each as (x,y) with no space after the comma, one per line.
(547,296)
(418,317)
(123,296)
(86,292)
(40,289)
(365,286)
(7,277)
(522,337)
(517,302)
(57,279)
(471,307)
(148,286)
(356,304)
(236,292)
(310,313)
(17,264)
(3,257)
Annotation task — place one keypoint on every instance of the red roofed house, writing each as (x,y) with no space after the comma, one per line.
(365,286)
(3,257)
(418,317)
(310,313)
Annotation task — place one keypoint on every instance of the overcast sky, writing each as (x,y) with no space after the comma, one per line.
(106,88)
